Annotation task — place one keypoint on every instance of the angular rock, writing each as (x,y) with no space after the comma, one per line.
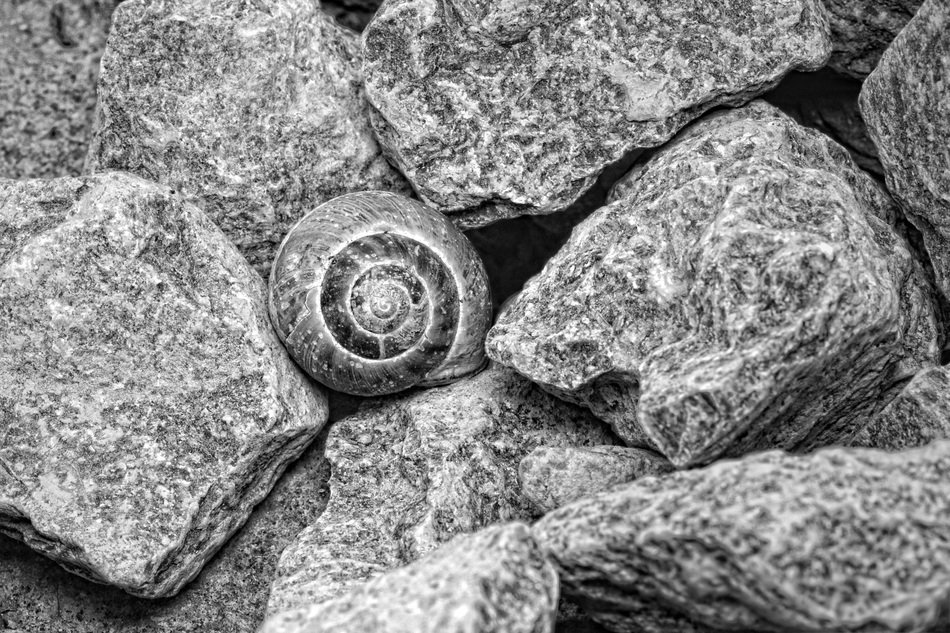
(862,29)
(49,61)
(494,110)
(497,580)
(254,110)
(148,405)
(410,472)
(906,103)
(839,540)
(554,476)
(743,291)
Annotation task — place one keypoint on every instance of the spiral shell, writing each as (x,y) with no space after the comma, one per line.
(373,293)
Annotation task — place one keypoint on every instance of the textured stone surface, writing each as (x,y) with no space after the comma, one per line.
(49,61)
(839,540)
(410,472)
(497,109)
(497,580)
(862,29)
(148,405)
(254,110)
(906,103)
(744,290)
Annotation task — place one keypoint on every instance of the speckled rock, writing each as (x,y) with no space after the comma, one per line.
(254,110)
(410,472)
(744,290)
(553,476)
(148,405)
(862,29)
(500,109)
(497,580)
(906,103)
(49,61)
(839,540)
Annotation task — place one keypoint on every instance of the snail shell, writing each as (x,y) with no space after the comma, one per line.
(373,293)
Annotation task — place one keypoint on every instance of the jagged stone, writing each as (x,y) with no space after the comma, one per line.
(744,290)
(862,29)
(839,540)
(148,404)
(254,110)
(494,110)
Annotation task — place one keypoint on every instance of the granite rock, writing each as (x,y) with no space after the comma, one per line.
(410,472)
(553,476)
(148,404)
(906,103)
(744,290)
(862,29)
(49,61)
(254,110)
(496,580)
(498,109)
(839,540)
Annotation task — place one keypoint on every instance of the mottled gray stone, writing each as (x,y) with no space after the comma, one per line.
(410,472)
(497,109)
(744,290)
(148,405)
(49,61)
(839,540)
(906,103)
(494,581)
(862,29)
(553,476)
(254,110)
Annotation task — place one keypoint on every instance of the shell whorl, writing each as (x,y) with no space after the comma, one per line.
(373,293)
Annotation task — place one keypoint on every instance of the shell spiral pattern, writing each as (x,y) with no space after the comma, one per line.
(373,293)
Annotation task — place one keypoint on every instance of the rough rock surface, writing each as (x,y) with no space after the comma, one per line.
(49,61)
(862,29)
(410,472)
(906,103)
(147,405)
(496,580)
(254,110)
(497,109)
(839,540)
(744,290)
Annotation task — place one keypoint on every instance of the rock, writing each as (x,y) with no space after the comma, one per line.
(496,580)
(839,540)
(410,472)
(254,110)
(862,29)
(148,405)
(49,61)
(743,291)
(494,110)
(919,415)
(353,14)
(554,476)
(906,103)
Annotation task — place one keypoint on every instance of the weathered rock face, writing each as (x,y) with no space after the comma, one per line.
(906,103)
(148,405)
(744,290)
(862,29)
(492,581)
(254,110)
(495,109)
(840,540)
(49,61)
(410,472)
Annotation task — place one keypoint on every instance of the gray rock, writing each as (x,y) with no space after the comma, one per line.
(494,110)
(148,405)
(49,61)
(839,540)
(906,103)
(862,29)
(254,110)
(410,472)
(495,581)
(554,476)
(744,290)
